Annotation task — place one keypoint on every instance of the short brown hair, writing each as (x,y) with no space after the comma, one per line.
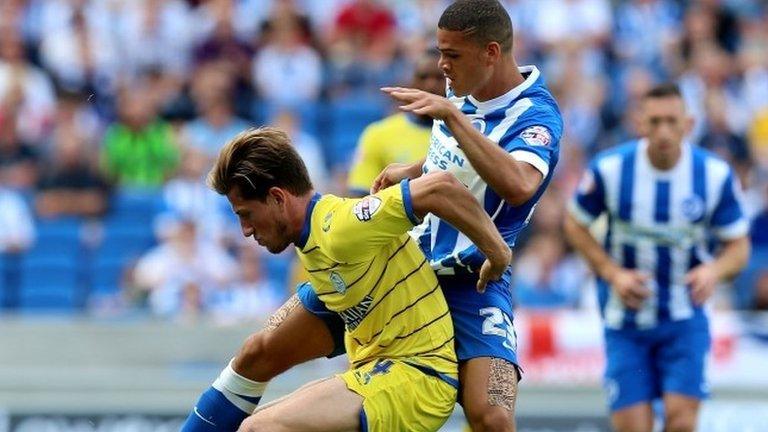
(663,91)
(255,161)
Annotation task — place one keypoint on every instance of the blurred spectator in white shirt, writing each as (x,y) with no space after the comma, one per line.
(78,46)
(17,228)
(188,195)
(25,86)
(287,72)
(181,271)
(251,297)
(155,34)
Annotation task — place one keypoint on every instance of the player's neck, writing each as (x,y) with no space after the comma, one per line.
(298,213)
(664,161)
(505,77)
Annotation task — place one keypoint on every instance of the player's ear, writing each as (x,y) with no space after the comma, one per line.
(689,122)
(277,194)
(492,53)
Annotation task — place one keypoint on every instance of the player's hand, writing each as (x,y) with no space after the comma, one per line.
(421,102)
(393,174)
(630,286)
(493,268)
(702,279)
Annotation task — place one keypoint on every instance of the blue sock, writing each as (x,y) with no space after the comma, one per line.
(225,404)
(214,413)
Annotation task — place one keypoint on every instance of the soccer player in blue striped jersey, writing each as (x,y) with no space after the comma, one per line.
(665,200)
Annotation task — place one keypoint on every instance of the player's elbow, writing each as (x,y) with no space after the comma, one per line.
(519,193)
(430,192)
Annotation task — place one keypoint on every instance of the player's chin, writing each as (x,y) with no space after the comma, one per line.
(276,249)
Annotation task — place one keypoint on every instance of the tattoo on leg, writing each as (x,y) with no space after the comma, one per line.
(502,384)
(278,317)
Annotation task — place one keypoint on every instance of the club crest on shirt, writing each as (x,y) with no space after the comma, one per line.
(693,207)
(536,136)
(338,283)
(366,208)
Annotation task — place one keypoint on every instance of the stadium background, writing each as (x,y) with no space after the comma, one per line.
(124,283)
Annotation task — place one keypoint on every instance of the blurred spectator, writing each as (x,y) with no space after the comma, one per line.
(573,33)
(181,272)
(155,34)
(25,87)
(78,45)
(251,296)
(17,229)
(362,46)
(18,159)
(287,72)
(71,185)
(212,91)
(287,12)
(189,196)
(645,31)
(718,138)
(139,149)
(220,41)
(307,146)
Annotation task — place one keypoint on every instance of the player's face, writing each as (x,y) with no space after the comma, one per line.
(463,61)
(265,221)
(665,123)
(429,77)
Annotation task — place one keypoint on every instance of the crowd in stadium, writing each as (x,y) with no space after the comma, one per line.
(112,111)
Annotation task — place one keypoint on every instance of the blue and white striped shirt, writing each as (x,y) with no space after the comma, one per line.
(526,122)
(659,222)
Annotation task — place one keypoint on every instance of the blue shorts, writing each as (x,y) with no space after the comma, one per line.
(643,365)
(482,322)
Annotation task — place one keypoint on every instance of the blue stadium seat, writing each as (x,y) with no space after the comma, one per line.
(136,202)
(50,283)
(349,116)
(106,275)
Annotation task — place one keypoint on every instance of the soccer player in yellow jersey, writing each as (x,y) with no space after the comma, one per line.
(364,266)
(399,138)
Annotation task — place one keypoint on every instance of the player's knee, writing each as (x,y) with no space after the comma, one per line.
(682,421)
(257,360)
(489,418)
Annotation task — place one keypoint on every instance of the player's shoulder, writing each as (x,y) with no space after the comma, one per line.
(387,124)
(611,159)
(713,164)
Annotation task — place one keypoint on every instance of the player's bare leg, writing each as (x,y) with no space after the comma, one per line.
(324,406)
(680,412)
(291,336)
(634,418)
(488,393)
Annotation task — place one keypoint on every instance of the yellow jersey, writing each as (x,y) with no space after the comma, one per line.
(396,138)
(364,266)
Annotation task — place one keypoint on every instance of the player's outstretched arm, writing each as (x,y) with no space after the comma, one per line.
(513,180)
(441,194)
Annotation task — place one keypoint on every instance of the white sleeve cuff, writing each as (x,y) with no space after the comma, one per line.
(737,229)
(533,159)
